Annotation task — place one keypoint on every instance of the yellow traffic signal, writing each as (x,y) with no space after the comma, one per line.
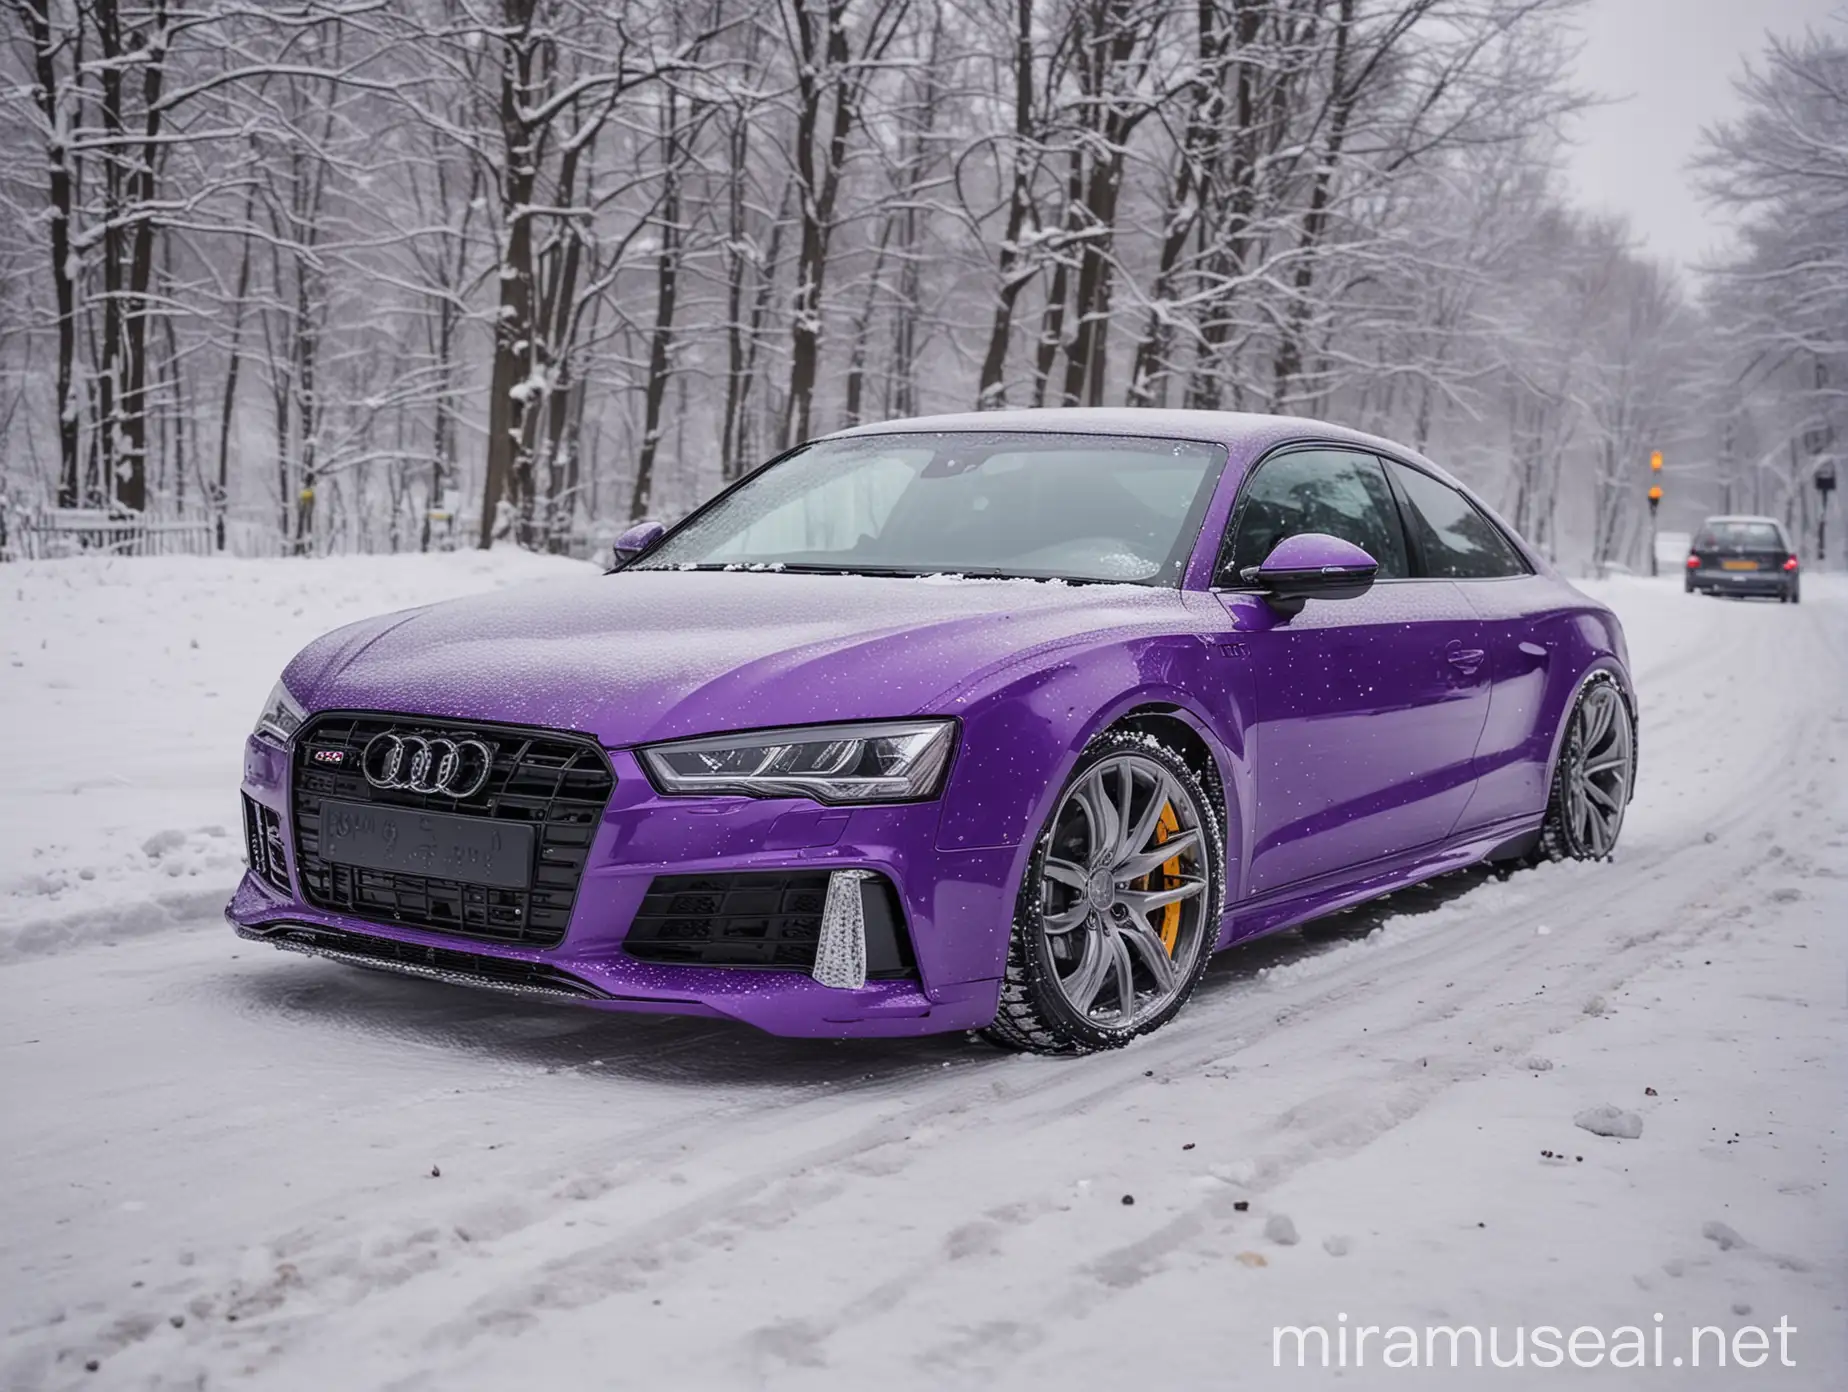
(1655,493)
(1655,462)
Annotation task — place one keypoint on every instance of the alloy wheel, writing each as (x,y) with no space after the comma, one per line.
(1600,764)
(1124,905)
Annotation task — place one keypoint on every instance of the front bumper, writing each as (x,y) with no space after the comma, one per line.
(957,906)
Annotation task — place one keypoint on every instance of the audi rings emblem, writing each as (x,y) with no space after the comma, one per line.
(456,768)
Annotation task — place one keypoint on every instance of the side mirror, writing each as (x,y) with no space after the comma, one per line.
(1313,565)
(635,541)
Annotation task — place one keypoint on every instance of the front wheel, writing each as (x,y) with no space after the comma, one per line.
(1597,769)
(1119,909)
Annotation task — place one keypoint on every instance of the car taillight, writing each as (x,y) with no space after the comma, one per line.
(1791,563)
(1693,562)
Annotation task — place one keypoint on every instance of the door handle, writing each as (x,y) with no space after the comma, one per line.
(1465,660)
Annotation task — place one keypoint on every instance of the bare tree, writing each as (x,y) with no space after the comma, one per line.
(833,74)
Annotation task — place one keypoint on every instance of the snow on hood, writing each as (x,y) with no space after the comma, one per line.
(653,655)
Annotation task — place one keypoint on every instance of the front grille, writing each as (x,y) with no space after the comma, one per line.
(760,920)
(263,844)
(443,963)
(556,783)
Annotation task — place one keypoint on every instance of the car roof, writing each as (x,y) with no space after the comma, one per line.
(1250,433)
(1742,517)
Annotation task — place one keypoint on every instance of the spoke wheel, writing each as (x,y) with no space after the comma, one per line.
(1597,769)
(1121,903)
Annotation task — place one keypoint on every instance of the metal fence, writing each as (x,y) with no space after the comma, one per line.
(54,532)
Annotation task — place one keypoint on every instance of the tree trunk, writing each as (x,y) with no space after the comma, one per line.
(1205,115)
(142,186)
(51,99)
(513,327)
(823,66)
(991,387)
(1290,350)
(862,330)
(221,493)
(667,290)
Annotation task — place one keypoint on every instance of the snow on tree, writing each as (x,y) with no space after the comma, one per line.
(341,275)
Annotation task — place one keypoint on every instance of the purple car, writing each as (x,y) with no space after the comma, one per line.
(998,722)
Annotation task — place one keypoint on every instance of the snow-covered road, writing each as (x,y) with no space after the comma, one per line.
(225,1165)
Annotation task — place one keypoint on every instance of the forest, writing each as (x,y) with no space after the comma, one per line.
(324,276)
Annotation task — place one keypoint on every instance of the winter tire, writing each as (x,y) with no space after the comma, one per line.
(1119,909)
(1595,776)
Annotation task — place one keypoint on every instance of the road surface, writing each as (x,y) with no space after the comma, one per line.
(230,1166)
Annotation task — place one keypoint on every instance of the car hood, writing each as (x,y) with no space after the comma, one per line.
(651,655)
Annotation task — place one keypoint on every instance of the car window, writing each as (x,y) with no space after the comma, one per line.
(1453,537)
(1758,536)
(1037,504)
(1318,490)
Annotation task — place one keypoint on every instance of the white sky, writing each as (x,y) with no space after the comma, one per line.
(1672,63)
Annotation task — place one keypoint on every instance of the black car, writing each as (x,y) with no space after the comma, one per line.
(1743,556)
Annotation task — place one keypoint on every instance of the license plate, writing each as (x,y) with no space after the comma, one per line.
(473,850)
(1738,565)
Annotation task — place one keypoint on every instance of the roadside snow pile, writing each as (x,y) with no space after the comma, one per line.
(126,690)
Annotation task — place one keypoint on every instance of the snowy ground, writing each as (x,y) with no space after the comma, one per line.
(124,685)
(225,1165)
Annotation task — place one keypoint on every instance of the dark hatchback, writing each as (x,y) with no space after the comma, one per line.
(1743,556)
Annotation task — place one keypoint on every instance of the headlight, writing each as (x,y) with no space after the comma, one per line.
(891,761)
(282,714)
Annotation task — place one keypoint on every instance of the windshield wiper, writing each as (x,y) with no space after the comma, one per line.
(816,568)
(878,571)
(909,572)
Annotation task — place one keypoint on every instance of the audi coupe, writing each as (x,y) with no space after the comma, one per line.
(1000,722)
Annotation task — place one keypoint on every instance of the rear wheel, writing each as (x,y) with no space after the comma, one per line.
(1119,910)
(1597,768)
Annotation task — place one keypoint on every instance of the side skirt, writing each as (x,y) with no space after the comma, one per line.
(1299,903)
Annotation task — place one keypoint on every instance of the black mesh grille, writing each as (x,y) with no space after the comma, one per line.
(556,783)
(263,844)
(759,920)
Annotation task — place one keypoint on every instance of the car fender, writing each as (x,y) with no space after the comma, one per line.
(1021,738)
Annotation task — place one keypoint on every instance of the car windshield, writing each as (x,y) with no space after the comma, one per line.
(994,503)
(1759,535)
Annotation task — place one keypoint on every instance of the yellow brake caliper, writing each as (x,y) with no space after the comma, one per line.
(1170,926)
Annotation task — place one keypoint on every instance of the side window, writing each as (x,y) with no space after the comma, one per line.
(1454,539)
(1316,490)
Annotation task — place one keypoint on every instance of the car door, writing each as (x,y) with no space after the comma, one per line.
(1452,539)
(1367,709)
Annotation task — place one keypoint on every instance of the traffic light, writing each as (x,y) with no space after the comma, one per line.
(1655,501)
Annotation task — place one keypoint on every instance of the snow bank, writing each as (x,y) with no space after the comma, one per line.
(126,689)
